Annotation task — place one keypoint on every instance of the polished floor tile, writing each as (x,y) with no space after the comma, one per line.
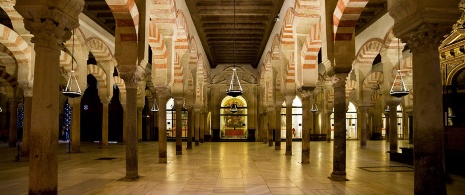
(221,168)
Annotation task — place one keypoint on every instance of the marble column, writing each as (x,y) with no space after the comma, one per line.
(202,126)
(328,125)
(50,31)
(277,133)
(306,126)
(190,126)
(105,122)
(289,100)
(393,137)
(25,148)
(13,132)
(125,129)
(131,74)
(76,125)
(271,125)
(178,102)
(265,129)
(197,126)
(339,151)
(386,129)
(139,124)
(163,94)
(363,133)
(410,128)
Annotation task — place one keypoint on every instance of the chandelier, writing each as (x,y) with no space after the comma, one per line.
(402,90)
(314,106)
(154,106)
(235,88)
(234,108)
(69,92)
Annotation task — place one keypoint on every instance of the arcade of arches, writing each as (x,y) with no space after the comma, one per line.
(324,73)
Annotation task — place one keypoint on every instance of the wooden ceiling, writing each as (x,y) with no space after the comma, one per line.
(220,26)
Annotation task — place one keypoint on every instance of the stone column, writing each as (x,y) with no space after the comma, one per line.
(131,74)
(190,126)
(178,102)
(363,133)
(289,100)
(277,133)
(202,126)
(76,125)
(328,125)
(197,126)
(306,126)
(148,124)
(271,125)
(422,25)
(51,25)
(339,152)
(163,94)
(393,124)
(25,148)
(13,133)
(265,127)
(125,114)
(410,128)
(105,122)
(139,124)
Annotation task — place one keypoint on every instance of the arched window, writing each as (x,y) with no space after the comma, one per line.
(171,120)
(351,122)
(233,123)
(296,119)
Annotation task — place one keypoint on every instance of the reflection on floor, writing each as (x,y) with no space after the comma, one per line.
(213,168)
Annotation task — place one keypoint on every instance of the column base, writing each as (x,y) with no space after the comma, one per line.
(288,153)
(197,143)
(162,161)
(178,152)
(338,177)
(277,147)
(201,140)
(131,176)
(189,148)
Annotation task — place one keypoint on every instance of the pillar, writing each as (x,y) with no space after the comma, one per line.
(393,124)
(339,151)
(148,123)
(202,126)
(131,74)
(139,124)
(197,126)
(105,103)
(27,126)
(277,133)
(125,114)
(54,27)
(13,132)
(190,126)
(364,130)
(289,100)
(76,125)
(178,102)
(265,127)
(306,126)
(163,94)
(386,129)
(328,125)
(271,125)
(410,128)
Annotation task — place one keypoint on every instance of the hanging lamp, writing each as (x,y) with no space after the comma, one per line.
(402,91)
(234,108)
(314,106)
(235,88)
(72,78)
(154,106)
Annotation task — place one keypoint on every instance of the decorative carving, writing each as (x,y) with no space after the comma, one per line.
(26,86)
(163,92)
(131,74)
(461,20)
(339,80)
(428,37)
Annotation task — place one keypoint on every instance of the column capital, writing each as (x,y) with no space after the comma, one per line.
(289,99)
(163,92)
(131,74)
(26,86)
(50,21)
(427,37)
(105,102)
(339,80)
(178,101)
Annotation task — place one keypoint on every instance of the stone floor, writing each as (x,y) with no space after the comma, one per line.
(221,168)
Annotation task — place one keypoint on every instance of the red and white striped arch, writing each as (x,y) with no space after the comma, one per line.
(119,82)
(276,48)
(99,49)
(17,46)
(290,71)
(178,70)
(101,77)
(345,18)
(368,52)
(350,84)
(193,54)
(159,56)
(372,80)
(163,14)
(9,78)
(127,21)
(287,31)
(308,73)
